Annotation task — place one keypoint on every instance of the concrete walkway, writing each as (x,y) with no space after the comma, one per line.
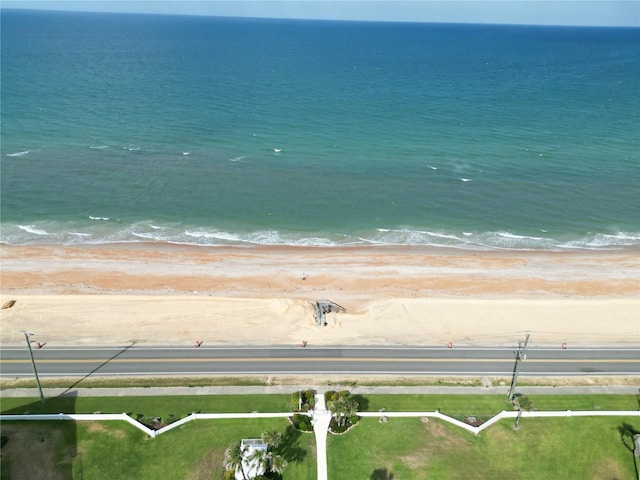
(287,389)
(320,420)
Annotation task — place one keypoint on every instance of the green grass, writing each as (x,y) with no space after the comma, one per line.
(582,448)
(585,448)
(585,402)
(479,405)
(42,450)
(160,406)
(489,405)
(108,450)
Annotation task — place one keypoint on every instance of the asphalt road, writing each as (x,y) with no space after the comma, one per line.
(458,361)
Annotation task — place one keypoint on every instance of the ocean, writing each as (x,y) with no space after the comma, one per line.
(220,131)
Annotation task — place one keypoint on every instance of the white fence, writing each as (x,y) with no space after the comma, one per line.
(100,417)
(504,414)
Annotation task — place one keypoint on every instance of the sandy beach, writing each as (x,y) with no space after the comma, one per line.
(175,294)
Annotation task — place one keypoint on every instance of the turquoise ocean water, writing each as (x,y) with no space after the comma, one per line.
(209,131)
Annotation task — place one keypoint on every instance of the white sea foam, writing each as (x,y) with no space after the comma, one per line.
(99,147)
(236,159)
(407,236)
(601,241)
(186,153)
(148,236)
(18,154)
(101,232)
(518,237)
(98,218)
(32,229)
(213,235)
(465,179)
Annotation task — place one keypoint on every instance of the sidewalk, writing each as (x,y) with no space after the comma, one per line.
(321,420)
(287,389)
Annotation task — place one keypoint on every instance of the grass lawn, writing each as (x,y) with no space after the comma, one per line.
(487,406)
(585,402)
(585,448)
(109,450)
(160,406)
(482,406)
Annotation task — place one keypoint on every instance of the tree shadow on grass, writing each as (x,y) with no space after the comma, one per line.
(363,402)
(290,447)
(381,474)
(628,435)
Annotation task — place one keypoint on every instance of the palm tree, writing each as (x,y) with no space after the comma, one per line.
(342,408)
(278,464)
(272,438)
(350,407)
(259,458)
(233,457)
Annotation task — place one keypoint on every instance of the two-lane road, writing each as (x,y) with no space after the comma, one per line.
(155,361)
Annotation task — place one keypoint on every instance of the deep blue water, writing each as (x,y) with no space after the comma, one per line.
(235,131)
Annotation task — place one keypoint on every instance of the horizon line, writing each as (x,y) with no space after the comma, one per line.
(308,19)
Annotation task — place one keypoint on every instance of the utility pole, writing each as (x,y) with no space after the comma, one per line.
(33,363)
(521,355)
(517,424)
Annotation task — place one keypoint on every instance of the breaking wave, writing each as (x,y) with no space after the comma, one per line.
(18,154)
(101,232)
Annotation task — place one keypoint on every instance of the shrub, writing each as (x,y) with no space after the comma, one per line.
(303,401)
(295,401)
(330,396)
(302,422)
(525,403)
(310,398)
(335,428)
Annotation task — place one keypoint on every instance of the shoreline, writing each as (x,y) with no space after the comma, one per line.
(161,294)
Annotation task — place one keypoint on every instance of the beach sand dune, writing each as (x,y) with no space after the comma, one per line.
(166,294)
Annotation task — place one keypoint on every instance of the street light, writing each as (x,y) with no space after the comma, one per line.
(33,363)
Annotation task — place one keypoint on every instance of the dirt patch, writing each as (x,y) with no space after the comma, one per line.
(96,427)
(209,466)
(438,438)
(442,437)
(607,469)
